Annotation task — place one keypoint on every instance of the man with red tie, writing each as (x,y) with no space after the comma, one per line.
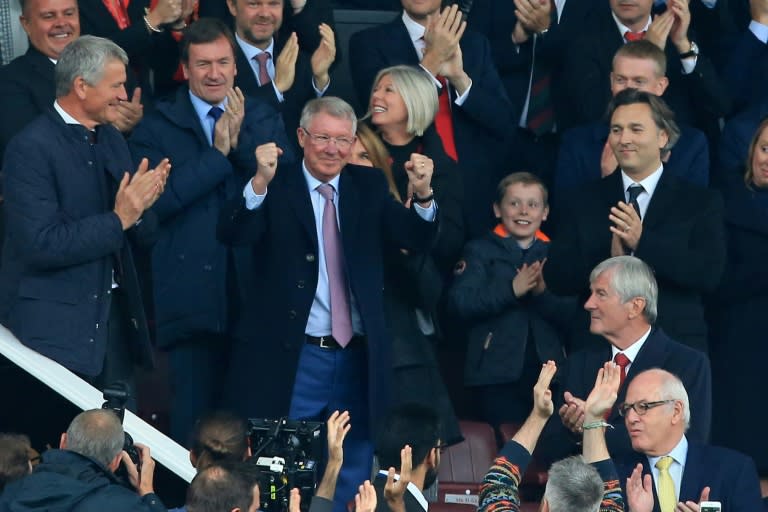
(696,93)
(622,307)
(475,113)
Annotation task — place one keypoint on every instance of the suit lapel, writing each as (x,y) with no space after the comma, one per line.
(245,78)
(662,202)
(300,202)
(402,39)
(183,114)
(689,487)
(349,212)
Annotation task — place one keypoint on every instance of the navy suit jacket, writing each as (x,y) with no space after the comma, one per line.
(26,91)
(63,242)
(187,257)
(699,98)
(730,475)
(683,240)
(581,148)
(284,235)
(480,125)
(658,351)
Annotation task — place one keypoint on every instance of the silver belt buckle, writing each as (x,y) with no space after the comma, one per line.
(322,342)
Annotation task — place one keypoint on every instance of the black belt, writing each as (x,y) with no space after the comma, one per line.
(330,342)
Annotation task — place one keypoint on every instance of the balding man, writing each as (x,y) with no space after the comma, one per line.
(80,474)
(657,415)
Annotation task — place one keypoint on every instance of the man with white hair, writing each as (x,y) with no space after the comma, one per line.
(679,474)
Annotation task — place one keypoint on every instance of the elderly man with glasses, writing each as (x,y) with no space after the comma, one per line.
(622,307)
(667,473)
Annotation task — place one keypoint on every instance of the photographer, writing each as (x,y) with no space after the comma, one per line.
(81,473)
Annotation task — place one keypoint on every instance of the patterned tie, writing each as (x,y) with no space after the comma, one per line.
(634,36)
(666,487)
(261,60)
(341,317)
(444,121)
(634,191)
(215,113)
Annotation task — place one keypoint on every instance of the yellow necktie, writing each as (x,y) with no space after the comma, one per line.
(666,487)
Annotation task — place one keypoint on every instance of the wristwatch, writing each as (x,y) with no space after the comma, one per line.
(693,52)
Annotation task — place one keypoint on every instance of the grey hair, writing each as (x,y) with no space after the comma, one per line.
(86,57)
(631,277)
(97,434)
(672,388)
(419,94)
(331,105)
(573,486)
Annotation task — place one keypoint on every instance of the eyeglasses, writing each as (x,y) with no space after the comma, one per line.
(642,407)
(322,140)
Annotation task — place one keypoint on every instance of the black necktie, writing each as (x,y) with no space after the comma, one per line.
(634,191)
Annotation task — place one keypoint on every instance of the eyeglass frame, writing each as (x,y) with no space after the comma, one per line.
(647,406)
(342,143)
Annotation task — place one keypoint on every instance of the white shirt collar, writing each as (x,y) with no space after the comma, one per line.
(313,183)
(679,456)
(415,31)
(649,182)
(64,114)
(415,492)
(251,51)
(623,29)
(631,351)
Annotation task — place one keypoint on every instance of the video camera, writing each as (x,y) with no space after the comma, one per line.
(286,452)
(115,397)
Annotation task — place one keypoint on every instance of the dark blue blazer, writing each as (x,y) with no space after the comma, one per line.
(187,259)
(734,145)
(26,91)
(683,241)
(284,237)
(481,124)
(582,146)
(745,72)
(658,351)
(63,241)
(730,475)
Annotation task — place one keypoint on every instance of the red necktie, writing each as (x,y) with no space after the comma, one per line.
(634,36)
(623,361)
(444,122)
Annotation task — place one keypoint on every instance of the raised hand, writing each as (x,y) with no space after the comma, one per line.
(608,162)
(692,506)
(365,499)
(442,37)
(394,490)
(658,31)
(129,113)
(234,114)
(627,225)
(139,192)
(285,64)
(682,21)
(604,394)
(142,480)
(640,491)
(419,169)
(323,56)
(338,426)
(166,11)
(533,15)
(542,395)
(266,165)
(572,413)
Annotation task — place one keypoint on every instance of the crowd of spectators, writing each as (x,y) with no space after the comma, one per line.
(529,184)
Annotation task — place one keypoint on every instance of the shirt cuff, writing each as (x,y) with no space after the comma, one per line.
(279,95)
(252,199)
(689,64)
(461,99)
(428,214)
(759,30)
(320,92)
